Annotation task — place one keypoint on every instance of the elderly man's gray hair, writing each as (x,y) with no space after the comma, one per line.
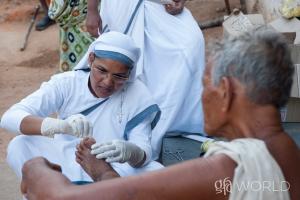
(261,61)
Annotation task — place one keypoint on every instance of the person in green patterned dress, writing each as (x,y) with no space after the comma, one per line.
(74,39)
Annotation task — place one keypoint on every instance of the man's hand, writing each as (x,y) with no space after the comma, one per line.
(94,23)
(37,175)
(119,151)
(176,8)
(76,125)
(42,179)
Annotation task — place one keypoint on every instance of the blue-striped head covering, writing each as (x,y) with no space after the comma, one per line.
(115,46)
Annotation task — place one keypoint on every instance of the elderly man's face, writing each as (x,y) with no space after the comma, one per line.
(107,76)
(212,103)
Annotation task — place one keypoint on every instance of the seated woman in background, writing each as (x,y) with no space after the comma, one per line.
(246,81)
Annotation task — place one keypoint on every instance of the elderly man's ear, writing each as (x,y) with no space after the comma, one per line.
(226,93)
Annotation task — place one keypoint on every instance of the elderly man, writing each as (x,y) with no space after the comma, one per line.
(172,60)
(246,82)
(104,102)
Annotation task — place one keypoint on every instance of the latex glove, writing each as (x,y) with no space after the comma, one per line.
(76,125)
(119,151)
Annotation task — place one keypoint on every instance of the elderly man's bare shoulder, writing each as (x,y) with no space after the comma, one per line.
(284,150)
(287,154)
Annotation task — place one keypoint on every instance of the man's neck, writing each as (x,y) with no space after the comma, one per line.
(259,122)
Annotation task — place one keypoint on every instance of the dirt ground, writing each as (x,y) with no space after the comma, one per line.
(22,72)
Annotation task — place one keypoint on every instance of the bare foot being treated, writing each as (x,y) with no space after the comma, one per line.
(97,169)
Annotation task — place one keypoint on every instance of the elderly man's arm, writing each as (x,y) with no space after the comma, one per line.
(189,180)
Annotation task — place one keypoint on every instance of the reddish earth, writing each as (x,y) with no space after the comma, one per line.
(22,72)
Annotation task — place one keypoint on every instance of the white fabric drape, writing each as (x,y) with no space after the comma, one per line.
(171,63)
(68,94)
(257,175)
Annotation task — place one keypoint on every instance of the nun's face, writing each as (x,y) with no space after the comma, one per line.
(107,76)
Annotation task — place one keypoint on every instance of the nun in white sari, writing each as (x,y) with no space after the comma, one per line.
(128,114)
(172,60)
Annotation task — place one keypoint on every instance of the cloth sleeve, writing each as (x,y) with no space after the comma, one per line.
(46,100)
(141,136)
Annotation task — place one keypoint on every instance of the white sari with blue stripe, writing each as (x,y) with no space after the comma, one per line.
(171,63)
(128,114)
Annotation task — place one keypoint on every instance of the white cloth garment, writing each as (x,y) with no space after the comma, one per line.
(257,175)
(68,94)
(171,63)
(127,114)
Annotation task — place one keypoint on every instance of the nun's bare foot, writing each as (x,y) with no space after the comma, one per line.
(97,169)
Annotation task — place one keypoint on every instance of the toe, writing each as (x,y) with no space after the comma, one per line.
(89,142)
(79,156)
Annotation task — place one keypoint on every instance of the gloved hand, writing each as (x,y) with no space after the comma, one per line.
(76,125)
(119,151)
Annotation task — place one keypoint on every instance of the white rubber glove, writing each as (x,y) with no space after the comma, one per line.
(76,125)
(119,151)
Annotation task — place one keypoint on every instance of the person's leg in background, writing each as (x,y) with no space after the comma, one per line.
(45,22)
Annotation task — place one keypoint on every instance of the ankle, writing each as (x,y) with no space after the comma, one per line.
(108,175)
